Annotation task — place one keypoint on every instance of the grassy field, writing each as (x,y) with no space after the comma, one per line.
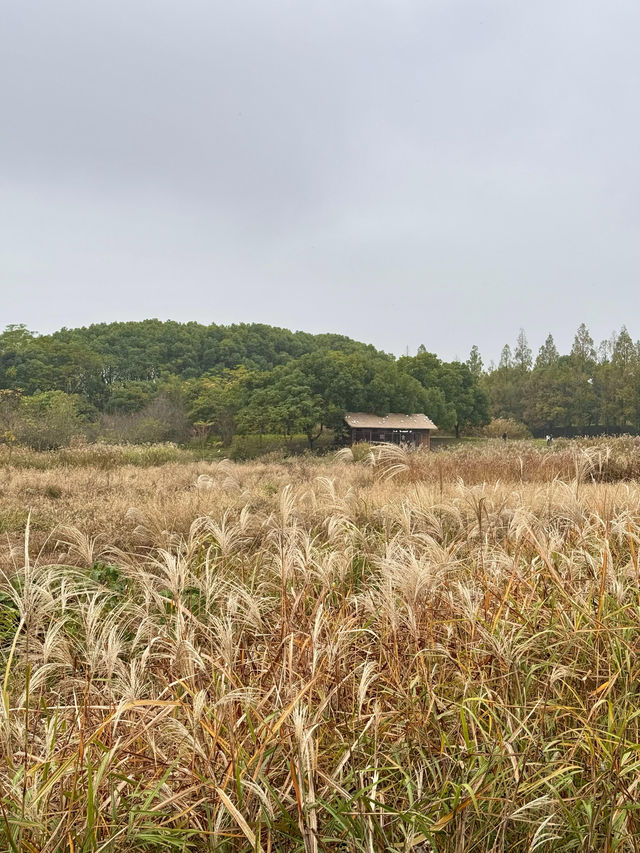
(415,652)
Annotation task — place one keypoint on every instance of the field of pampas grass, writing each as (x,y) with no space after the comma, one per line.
(386,651)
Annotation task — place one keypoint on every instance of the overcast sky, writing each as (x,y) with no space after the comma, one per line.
(404,172)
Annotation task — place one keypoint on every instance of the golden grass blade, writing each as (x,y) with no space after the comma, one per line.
(239,819)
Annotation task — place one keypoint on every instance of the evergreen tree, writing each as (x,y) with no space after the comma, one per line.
(583,350)
(522,355)
(624,350)
(506,360)
(605,348)
(548,353)
(623,381)
(474,362)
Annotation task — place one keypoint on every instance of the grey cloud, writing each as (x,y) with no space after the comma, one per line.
(404,172)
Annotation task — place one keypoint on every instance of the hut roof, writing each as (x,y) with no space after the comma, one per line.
(364,420)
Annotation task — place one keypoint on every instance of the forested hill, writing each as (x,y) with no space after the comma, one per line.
(154,380)
(81,360)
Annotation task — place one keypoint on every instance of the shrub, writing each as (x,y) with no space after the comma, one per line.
(163,419)
(50,420)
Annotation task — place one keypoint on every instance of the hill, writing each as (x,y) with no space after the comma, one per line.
(154,380)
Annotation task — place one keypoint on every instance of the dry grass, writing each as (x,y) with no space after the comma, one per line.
(433,652)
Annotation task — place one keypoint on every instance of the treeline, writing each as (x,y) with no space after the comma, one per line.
(592,389)
(155,381)
(164,381)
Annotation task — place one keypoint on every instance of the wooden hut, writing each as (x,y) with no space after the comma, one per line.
(412,430)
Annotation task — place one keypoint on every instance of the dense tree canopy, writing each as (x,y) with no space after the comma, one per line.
(232,379)
(150,379)
(92,360)
(592,389)
(455,396)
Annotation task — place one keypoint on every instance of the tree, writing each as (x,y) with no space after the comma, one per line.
(218,399)
(50,420)
(470,402)
(605,349)
(583,351)
(126,397)
(548,395)
(15,337)
(581,393)
(286,404)
(506,388)
(474,362)
(299,409)
(166,419)
(10,405)
(506,359)
(623,381)
(547,354)
(625,353)
(522,356)
(457,400)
